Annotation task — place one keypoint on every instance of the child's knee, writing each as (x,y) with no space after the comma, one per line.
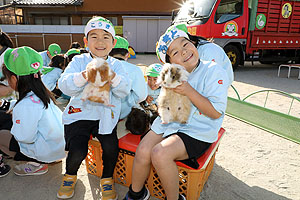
(143,153)
(158,155)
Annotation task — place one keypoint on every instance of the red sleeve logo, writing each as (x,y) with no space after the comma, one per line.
(73,110)
(18,121)
(213,60)
(220,82)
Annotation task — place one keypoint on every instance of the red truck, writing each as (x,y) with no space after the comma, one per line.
(263,30)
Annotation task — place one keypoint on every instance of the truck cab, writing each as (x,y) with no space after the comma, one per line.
(224,21)
(263,30)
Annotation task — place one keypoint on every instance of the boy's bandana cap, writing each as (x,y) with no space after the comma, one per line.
(73,51)
(173,32)
(154,70)
(122,43)
(99,23)
(23,61)
(54,49)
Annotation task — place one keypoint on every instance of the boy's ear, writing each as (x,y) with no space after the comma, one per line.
(85,41)
(114,42)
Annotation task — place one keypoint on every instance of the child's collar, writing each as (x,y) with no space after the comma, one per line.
(94,56)
(196,66)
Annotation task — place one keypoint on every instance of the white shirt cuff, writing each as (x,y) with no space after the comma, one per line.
(116,81)
(79,80)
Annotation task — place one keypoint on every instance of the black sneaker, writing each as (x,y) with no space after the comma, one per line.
(4,169)
(145,196)
(181,197)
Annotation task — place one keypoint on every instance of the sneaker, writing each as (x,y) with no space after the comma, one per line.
(108,191)
(67,187)
(30,168)
(145,196)
(181,197)
(4,169)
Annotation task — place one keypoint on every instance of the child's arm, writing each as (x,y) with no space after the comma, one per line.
(213,104)
(120,84)
(201,102)
(71,81)
(50,79)
(140,87)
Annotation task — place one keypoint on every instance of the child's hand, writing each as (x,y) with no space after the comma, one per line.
(149,99)
(83,73)
(183,89)
(112,77)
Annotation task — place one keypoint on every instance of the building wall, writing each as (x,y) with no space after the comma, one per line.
(40,39)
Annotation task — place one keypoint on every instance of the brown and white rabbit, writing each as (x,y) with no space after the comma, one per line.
(99,76)
(173,107)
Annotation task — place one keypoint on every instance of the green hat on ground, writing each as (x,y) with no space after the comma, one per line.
(154,70)
(122,43)
(54,49)
(23,61)
(172,33)
(73,51)
(99,23)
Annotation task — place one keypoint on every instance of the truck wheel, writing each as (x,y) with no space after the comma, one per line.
(234,55)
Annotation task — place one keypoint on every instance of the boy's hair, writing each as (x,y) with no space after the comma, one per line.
(5,40)
(120,51)
(83,50)
(59,61)
(75,45)
(138,121)
(30,83)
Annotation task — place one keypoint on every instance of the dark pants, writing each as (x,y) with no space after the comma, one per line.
(5,120)
(77,136)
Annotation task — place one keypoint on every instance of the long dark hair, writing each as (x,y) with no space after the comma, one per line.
(5,40)
(29,83)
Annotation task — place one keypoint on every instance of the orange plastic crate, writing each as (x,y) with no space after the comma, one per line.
(93,160)
(191,181)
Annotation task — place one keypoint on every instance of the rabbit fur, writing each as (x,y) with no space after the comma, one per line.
(173,107)
(99,75)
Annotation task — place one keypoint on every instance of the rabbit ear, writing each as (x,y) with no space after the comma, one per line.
(104,73)
(91,74)
(160,78)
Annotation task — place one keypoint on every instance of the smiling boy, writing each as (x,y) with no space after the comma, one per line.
(84,118)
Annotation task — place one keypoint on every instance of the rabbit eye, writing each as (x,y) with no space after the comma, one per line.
(173,77)
(179,108)
(168,108)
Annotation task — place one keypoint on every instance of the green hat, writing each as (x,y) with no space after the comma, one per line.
(73,51)
(122,43)
(54,49)
(154,70)
(99,23)
(23,61)
(172,33)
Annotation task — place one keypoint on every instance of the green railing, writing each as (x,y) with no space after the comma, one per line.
(278,123)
